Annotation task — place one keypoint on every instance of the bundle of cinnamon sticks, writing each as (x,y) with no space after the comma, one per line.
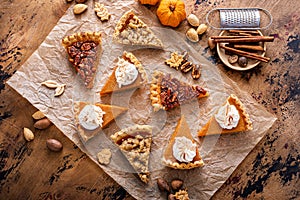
(243,43)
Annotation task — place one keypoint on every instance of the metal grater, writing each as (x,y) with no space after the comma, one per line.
(240,18)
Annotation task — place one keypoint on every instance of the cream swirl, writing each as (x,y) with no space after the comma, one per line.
(228,116)
(184,150)
(91,117)
(126,73)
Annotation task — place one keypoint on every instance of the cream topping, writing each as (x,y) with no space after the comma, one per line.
(126,73)
(91,117)
(228,116)
(184,150)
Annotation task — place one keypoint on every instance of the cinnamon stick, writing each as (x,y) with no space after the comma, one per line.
(244,31)
(247,39)
(232,36)
(250,47)
(246,54)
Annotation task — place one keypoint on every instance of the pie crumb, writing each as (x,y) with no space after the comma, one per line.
(104,156)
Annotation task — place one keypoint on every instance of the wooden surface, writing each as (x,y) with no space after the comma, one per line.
(28,170)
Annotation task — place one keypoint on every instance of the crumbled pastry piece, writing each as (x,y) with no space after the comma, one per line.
(104,156)
(101,11)
(175,61)
(182,195)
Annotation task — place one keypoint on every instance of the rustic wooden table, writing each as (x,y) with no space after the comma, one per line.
(30,171)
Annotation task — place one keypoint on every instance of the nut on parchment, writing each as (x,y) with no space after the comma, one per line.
(186,67)
(50,84)
(38,115)
(59,90)
(42,124)
(196,72)
(163,185)
(54,145)
(193,20)
(104,156)
(192,35)
(28,134)
(79,8)
(176,184)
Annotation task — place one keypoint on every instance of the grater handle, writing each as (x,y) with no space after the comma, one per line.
(240,28)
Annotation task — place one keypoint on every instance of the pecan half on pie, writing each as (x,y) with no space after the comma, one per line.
(128,74)
(83,49)
(131,30)
(167,92)
(135,144)
(230,118)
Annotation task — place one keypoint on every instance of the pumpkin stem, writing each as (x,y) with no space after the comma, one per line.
(172,7)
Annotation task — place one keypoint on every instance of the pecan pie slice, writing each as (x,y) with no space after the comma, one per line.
(133,31)
(167,92)
(91,118)
(230,118)
(182,150)
(135,144)
(128,74)
(83,49)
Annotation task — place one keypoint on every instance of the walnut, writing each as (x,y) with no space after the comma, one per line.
(182,195)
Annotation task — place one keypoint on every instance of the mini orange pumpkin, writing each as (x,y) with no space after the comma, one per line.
(171,12)
(149,2)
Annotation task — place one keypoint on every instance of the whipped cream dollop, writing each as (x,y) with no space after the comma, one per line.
(126,73)
(184,150)
(228,116)
(91,117)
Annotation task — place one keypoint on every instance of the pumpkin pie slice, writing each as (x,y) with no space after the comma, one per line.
(91,118)
(230,118)
(128,74)
(131,30)
(83,50)
(167,92)
(182,150)
(135,144)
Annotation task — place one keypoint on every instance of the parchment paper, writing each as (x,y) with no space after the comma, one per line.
(221,154)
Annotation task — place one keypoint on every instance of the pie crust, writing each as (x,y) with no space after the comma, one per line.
(111,84)
(131,30)
(179,96)
(212,127)
(135,144)
(83,50)
(111,112)
(182,129)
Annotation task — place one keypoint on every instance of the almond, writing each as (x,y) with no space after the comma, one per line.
(54,145)
(28,134)
(38,115)
(42,124)
(79,8)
